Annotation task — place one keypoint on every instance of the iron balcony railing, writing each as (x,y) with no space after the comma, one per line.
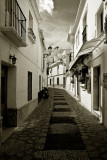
(14,17)
(30,31)
(84,34)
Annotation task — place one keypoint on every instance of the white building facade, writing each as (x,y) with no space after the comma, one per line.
(88,81)
(56,77)
(21,52)
(59,67)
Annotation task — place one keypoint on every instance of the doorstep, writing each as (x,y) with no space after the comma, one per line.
(97,113)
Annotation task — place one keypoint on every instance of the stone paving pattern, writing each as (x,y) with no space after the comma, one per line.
(28,141)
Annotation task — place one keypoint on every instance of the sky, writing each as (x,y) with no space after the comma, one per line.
(56,18)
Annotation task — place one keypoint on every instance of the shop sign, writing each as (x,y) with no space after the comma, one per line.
(105,80)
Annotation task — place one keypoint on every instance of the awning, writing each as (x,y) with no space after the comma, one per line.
(88,48)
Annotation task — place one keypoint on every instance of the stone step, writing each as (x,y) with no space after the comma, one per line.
(61,109)
(60,102)
(62,120)
(64,114)
(62,155)
(64,142)
(61,106)
(59,98)
(64,128)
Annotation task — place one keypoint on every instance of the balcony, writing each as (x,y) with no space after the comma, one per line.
(15,23)
(31,35)
(84,34)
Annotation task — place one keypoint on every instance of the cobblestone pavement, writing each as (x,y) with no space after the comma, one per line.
(59,129)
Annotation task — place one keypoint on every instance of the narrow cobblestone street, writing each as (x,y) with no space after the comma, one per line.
(59,129)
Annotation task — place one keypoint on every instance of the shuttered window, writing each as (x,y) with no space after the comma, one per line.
(29,86)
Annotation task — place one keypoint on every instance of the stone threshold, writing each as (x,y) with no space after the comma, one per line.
(97,113)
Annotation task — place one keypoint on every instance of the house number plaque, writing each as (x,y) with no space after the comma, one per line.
(105,80)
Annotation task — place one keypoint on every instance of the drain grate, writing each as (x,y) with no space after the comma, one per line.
(61,109)
(62,120)
(64,142)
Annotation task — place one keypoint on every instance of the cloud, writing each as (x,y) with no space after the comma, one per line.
(57,21)
(46,5)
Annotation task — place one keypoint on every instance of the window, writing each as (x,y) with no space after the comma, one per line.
(8,8)
(58,69)
(50,81)
(99,21)
(31,34)
(84,33)
(77,39)
(30,21)
(43,63)
(70,57)
(57,81)
(29,86)
(101,18)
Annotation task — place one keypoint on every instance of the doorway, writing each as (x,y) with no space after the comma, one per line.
(97,89)
(4,95)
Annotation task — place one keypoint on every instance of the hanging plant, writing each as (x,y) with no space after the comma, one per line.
(84,69)
(79,72)
(89,84)
(76,72)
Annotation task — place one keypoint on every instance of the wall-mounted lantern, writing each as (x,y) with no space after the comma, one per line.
(50,50)
(13,58)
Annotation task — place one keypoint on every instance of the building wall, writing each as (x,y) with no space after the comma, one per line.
(68,83)
(98,59)
(85,98)
(55,73)
(60,69)
(91,8)
(28,59)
